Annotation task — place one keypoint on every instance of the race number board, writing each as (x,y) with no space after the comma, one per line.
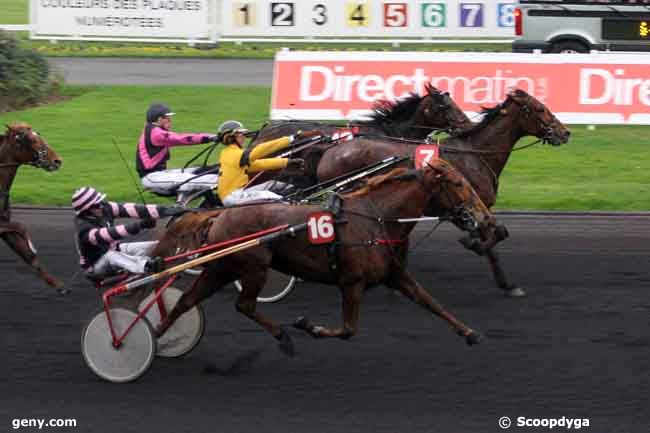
(364,18)
(320,228)
(425,153)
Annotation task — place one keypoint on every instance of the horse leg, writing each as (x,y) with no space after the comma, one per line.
(206,284)
(352,295)
(500,276)
(20,243)
(252,282)
(406,284)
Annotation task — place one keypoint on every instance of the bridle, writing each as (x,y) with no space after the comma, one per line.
(459,214)
(39,156)
(541,124)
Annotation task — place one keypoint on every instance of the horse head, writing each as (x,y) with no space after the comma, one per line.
(453,192)
(438,111)
(535,118)
(29,147)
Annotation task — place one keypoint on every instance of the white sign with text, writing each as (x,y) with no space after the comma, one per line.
(169,19)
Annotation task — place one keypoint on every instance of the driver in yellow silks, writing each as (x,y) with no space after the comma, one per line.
(237,163)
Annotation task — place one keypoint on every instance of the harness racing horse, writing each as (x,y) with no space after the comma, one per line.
(370,249)
(413,117)
(20,145)
(480,153)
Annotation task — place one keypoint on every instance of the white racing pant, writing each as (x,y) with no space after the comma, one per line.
(132,257)
(162,182)
(253,193)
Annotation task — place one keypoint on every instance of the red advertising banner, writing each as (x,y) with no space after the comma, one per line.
(599,88)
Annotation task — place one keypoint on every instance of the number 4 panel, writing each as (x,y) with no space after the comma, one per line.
(357,14)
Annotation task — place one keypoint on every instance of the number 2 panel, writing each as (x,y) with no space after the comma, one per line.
(283,14)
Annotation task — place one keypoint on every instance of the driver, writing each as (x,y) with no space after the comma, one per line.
(236,163)
(98,239)
(153,152)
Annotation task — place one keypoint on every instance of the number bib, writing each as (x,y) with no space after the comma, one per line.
(425,153)
(320,228)
(343,134)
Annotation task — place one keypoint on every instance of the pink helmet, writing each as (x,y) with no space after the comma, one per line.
(85,197)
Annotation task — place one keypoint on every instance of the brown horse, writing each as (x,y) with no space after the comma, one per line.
(371,247)
(480,153)
(413,117)
(20,145)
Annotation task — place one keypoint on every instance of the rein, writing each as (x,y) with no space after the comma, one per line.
(454,149)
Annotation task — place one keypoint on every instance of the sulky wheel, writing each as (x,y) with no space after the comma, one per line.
(277,287)
(120,364)
(184,334)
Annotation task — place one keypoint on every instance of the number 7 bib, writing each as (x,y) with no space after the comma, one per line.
(425,153)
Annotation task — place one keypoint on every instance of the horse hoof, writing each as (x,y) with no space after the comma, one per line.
(517,292)
(286,345)
(301,323)
(473,338)
(63,290)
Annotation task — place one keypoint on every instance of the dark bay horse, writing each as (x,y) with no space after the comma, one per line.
(20,145)
(372,247)
(480,153)
(413,117)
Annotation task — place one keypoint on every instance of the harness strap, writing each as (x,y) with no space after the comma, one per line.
(334,204)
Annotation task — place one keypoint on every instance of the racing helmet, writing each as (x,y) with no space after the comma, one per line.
(229,128)
(86,197)
(156,111)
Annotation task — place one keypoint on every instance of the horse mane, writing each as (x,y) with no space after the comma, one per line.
(489,114)
(388,115)
(397,174)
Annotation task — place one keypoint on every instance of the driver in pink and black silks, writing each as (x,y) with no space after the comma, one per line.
(153,152)
(99,240)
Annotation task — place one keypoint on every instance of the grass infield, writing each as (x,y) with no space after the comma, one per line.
(14,12)
(603,169)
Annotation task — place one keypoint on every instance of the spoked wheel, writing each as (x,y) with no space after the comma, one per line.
(278,286)
(120,364)
(184,334)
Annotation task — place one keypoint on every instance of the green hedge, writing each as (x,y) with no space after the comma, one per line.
(24,75)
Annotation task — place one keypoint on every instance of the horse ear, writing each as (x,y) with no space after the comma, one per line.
(517,93)
(431,89)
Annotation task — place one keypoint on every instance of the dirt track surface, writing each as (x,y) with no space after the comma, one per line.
(578,346)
